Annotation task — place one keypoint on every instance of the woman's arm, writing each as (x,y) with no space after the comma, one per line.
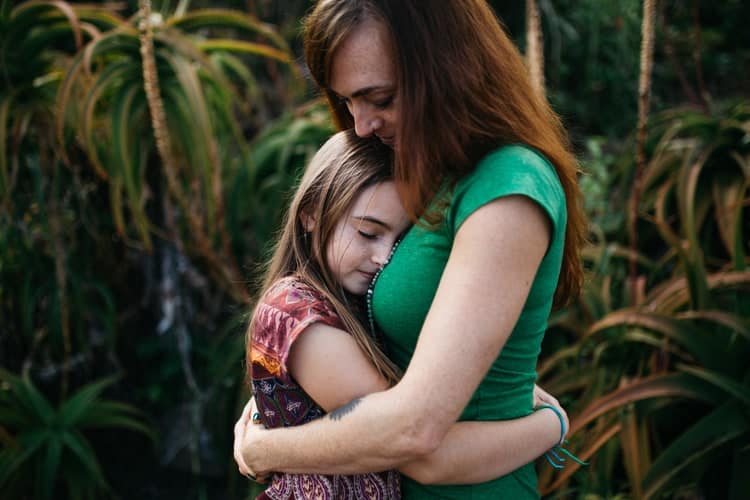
(507,237)
(331,368)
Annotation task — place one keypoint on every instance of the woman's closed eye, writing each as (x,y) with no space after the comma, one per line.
(367,236)
(384,103)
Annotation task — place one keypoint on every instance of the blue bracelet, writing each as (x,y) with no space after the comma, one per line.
(560,417)
(552,456)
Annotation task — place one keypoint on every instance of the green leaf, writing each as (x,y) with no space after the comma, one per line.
(672,385)
(50,465)
(129,165)
(82,450)
(202,19)
(29,442)
(243,47)
(720,427)
(74,408)
(28,398)
(699,345)
(726,384)
(113,414)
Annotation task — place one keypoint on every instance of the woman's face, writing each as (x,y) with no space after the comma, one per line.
(362,240)
(363,78)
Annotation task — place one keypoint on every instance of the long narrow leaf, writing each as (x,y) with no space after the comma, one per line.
(50,465)
(81,449)
(77,405)
(672,385)
(718,428)
(224,18)
(700,346)
(724,383)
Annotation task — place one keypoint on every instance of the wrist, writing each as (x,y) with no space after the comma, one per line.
(561,428)
(254,454)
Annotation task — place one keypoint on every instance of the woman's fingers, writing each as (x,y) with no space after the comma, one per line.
(239,434)
(543,397)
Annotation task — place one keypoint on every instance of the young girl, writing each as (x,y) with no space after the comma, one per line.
(309,353)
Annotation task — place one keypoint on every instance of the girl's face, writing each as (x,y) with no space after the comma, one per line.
(363,239)
(363,78)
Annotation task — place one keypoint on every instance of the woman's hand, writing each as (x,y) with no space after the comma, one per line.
(542,397)
(242,429)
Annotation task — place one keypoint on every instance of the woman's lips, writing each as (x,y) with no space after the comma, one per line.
(388,141)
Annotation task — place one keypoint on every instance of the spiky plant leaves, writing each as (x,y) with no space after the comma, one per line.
(725,424)
(673,385)
(47,443)
(199,20)
(729,386)
(196,99)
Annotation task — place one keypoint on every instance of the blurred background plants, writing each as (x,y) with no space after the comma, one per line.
(147,152)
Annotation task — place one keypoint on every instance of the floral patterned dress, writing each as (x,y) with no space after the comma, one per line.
(285,311)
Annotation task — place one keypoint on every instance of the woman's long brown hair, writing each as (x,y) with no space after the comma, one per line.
(463,90)
(336,175)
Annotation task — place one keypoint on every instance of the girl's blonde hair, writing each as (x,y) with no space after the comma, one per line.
(343,167)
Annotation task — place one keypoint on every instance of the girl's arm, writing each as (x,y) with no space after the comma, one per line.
(330,367)
(507,237)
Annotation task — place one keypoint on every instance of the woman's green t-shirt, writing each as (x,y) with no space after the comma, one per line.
(406,287)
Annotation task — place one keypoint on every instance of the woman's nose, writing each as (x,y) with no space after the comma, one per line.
(365,123)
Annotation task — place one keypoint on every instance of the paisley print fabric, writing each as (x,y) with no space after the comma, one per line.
(284,312)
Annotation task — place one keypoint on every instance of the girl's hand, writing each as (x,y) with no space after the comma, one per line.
(248,423)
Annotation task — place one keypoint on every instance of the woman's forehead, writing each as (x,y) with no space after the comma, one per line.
(362,62)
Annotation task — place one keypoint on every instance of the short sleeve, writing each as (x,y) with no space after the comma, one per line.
(285,311)
(510,170)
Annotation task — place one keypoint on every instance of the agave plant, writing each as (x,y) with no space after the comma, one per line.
(50,296)
(44,446)
(154,87)
(662,386)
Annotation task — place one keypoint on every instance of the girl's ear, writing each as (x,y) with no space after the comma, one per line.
(308,221)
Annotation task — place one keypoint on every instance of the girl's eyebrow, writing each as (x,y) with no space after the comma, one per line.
(372,220)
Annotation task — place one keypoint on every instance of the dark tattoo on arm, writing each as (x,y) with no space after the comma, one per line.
(339,412)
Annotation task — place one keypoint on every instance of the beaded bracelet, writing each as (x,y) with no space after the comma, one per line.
(552,456)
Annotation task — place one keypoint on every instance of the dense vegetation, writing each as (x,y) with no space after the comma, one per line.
(144,164)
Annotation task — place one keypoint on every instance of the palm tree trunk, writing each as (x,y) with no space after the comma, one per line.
(644,95)
(534,45)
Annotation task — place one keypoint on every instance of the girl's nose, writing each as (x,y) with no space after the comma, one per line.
(380,255)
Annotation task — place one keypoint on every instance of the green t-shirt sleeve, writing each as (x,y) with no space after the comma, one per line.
(511,170)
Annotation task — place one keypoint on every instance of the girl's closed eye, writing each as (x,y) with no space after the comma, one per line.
(366,235)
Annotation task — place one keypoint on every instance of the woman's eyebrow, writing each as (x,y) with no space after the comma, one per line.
(364,91)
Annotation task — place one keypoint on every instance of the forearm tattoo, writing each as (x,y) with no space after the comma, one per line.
(339,412)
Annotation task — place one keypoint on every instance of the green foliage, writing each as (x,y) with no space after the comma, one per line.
(279,154)
(98,236)
(666,378)
(197,80)
(44,446)
(118,255)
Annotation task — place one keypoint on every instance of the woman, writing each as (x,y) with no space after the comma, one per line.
(482,163)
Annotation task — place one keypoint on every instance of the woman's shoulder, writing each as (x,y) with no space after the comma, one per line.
(516,157)
(514,169)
